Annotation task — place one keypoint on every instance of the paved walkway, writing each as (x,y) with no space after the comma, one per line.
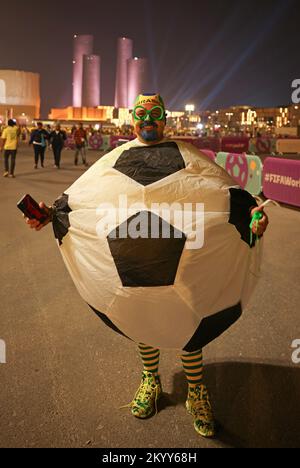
(67,374)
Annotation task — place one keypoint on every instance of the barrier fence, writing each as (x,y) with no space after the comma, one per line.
(246,170)
(278,179)
(281,180)
(234,145)
(262,145)
(288,146)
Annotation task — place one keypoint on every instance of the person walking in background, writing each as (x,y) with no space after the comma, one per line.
(39,138)
(57,142)
(9,141)
(80,138)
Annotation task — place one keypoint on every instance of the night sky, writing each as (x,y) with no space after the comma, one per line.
(211,53)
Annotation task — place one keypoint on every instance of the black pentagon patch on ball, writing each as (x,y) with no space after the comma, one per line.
(108,322)
(212,327)
(60,219)
(146,251)
(149,164)
(241,203)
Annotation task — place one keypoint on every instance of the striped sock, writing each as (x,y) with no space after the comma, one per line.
(193,367)
(150,357)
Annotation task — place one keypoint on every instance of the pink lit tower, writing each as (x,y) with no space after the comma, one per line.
(91,81)
(138,79)
(83,45)
(125,51)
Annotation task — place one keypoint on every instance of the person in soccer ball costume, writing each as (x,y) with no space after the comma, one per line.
(149,121)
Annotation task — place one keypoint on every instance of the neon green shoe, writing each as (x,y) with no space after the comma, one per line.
(198,405)
(144,403)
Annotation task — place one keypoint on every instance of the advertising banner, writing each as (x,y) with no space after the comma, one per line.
(210,143)
(245,169)
(95,141)
(281,180)
(235,145)
(262,145)
(105,143)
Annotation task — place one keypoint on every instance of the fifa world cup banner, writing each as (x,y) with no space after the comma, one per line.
(246,170)
(209,143)
(281,180)
(235,145)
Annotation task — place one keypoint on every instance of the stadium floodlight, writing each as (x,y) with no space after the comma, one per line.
(190,108)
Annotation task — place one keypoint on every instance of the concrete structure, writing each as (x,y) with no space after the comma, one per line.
(19,95)
(137,79)
(83,45)
(91,81)
(125,50)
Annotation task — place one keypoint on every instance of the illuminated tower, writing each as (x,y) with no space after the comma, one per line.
(83,45)
(137,79)
(91,81)
(125,47)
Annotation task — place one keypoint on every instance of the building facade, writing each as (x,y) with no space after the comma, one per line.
(19,95)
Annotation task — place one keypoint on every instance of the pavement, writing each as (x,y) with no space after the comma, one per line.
(66,374)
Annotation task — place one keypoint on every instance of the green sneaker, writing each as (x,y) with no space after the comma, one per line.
(144,403)
(198,405)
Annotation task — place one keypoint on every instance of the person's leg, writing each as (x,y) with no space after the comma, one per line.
(85,155)
(6,165)
(56,155)
(76,155)
(144,403)
(42,153)
(198,404)
(13,162)
(36,155)
(82,153)
(150,358)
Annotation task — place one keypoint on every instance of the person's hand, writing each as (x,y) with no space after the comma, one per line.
(34,223)
(261,228)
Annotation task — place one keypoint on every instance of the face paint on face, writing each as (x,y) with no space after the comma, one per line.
(150,130)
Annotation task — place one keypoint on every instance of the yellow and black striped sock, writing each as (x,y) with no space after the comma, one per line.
(193,367)
(150,357)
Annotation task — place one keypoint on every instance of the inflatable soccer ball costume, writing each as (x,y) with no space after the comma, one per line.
(176,291)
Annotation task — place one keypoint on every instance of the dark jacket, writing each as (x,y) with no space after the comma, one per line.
(38,136)
(57,139)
